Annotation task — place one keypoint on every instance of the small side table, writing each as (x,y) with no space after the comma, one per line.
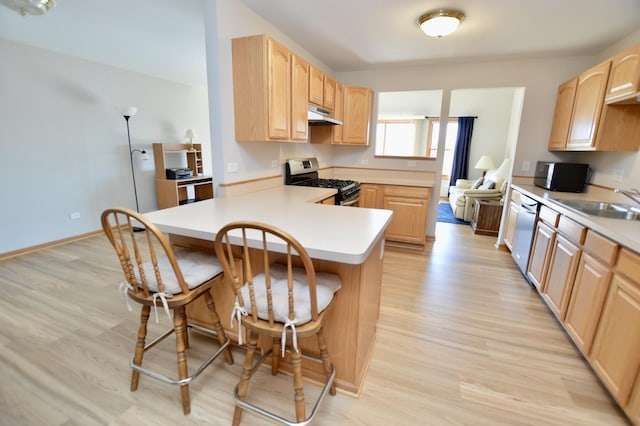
(486,217)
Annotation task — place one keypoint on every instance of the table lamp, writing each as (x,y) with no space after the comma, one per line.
(485,163)
(191,135)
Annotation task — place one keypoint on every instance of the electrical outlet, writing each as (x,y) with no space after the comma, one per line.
(411,164)
(526,165)
(74,215)
(364,162)
(232,167)
(274,164)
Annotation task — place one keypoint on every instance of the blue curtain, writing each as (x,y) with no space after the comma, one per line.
(460,169)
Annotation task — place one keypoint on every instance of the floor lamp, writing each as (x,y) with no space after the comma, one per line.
(127,113)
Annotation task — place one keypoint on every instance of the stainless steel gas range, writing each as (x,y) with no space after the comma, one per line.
(304,172)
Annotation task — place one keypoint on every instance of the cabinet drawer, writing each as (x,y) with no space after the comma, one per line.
(572,230)
(601,247)
(549,216)
(406,191)
(629,264)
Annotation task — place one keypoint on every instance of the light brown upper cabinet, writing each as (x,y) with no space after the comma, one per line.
(358,107)
(329,93)
(587,107)
(322,89)
(562,114)
(354,107)
(338,113)
(270,91)
(316,86)
(582,121)
(299,99)
(624,78)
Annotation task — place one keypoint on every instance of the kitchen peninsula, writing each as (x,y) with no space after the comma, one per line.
(344,240)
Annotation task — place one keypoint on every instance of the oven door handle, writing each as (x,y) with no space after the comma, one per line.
(351,201)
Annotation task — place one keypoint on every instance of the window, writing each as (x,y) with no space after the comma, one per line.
(450,143)
(403,138)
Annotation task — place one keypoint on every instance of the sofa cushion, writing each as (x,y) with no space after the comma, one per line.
(488,185)
(476,183)
(499,175)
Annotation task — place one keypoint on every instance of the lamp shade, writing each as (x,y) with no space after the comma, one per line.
(440,23)
(129,111)
(191,135)
(485,163)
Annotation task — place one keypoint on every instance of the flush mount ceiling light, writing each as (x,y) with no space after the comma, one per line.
(29,7)
(440,23)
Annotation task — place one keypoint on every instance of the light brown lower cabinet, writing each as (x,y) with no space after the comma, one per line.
(587,297)
(410,206)
(593,286)
(329,200)
(633,408)
(540,252)
(370,196)
(560,275)
(616,349)
(510,227)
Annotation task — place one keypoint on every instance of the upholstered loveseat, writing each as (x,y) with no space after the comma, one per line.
(466,191)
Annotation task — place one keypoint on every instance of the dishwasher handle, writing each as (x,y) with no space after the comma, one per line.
(529,208)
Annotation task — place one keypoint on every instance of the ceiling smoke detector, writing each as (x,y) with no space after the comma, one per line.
(29,7)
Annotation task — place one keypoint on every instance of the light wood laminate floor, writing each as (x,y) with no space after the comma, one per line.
(462,340)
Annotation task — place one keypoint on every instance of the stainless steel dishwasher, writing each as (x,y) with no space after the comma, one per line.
(525,225)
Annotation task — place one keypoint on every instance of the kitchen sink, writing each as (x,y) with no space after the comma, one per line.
(602,209)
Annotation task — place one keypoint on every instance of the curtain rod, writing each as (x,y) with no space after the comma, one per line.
(472,116)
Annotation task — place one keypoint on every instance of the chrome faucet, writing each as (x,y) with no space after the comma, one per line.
(632,193)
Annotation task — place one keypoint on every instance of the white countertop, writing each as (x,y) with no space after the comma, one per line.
(624,232)
(328,232)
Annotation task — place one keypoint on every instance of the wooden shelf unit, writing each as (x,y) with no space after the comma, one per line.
(194,158)
(174,192)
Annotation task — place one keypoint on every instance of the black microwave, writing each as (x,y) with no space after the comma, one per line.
(561,177)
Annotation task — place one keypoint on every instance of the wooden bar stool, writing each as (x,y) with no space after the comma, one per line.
(158,276)
(278,300)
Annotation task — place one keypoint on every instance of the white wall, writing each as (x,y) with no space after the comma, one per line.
(64,145)
(539,77)
(613,169)
(225,20)
(491,129)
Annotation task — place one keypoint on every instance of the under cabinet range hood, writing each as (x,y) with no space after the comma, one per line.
(320,117)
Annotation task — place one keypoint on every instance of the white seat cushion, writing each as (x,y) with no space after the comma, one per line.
(196,266)
(326,285)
